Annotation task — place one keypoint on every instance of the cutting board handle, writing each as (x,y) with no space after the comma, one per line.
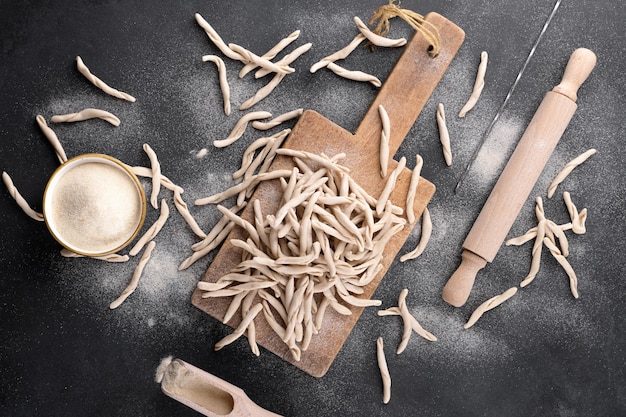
(580,64)
(410,83)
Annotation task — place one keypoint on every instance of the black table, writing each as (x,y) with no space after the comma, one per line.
(64,353)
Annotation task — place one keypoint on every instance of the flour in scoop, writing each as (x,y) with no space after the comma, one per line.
(95,207)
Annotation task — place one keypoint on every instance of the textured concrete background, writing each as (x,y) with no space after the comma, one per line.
(63,352)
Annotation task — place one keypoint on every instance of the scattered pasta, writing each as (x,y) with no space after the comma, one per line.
(240,128)
(384,370)
(277,120)
(354,75)
(86,114)
(132,286)
(156,174)
(377,39)
(444,135)
(488,305)
(275,50)
(427,230)
(221,69)
(153,231)
(567,169)
(479,84)
(113,257)
(340,54)
(52,138)
(21,202)
(82,68)
(410,196)
(384,140)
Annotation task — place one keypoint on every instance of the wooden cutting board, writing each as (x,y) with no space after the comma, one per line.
(404,94)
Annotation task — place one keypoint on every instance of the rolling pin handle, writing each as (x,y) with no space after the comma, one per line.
(458,288)
(578,68)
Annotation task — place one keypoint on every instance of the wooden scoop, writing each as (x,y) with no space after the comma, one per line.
(204,392)
(519,177)
(403,95)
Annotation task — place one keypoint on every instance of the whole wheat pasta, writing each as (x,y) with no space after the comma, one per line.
(354,75)
(567,169)
(183,209)
(560,258)
(286,60)
(113,257)
(153,231)
(86,114)
(384,370)
(239,331)
(240,128)
(21,202)
(216,39)
(275,50)
(263,92)
(488,305)
(578,218)
(444,136)
(250,57)
(427,229)
(82,68)
(479,84)
(410,196)
(340,54)
(277,120)
(384,140)
(52,138)
(156,174)
(389,186)
(377,39)
(224,87)
(136,276)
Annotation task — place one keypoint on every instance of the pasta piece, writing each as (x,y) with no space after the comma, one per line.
(444,136)
(340,54)
(578,218)
(216,39)
(531,234)
(282,44)
(148,173)
(86,114)
(377,39)
(277,120)
(113,257)
(263,92)
(248,155)
(384,140)
(354,75)
(239,331)
(573,280)
(214,243)
(410,196)
(240,128)
(153,231)
(479,84)
(21,202)
(567,169)
(224,87)
(538,246)
(52,138)
(488,305)
(156,175)
(183,209)
(286,60)
(389,186)
(82,68)
(427,229)
(249,57)
(384,370)
(132,286)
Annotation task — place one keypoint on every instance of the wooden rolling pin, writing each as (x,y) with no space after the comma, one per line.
(519,177)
